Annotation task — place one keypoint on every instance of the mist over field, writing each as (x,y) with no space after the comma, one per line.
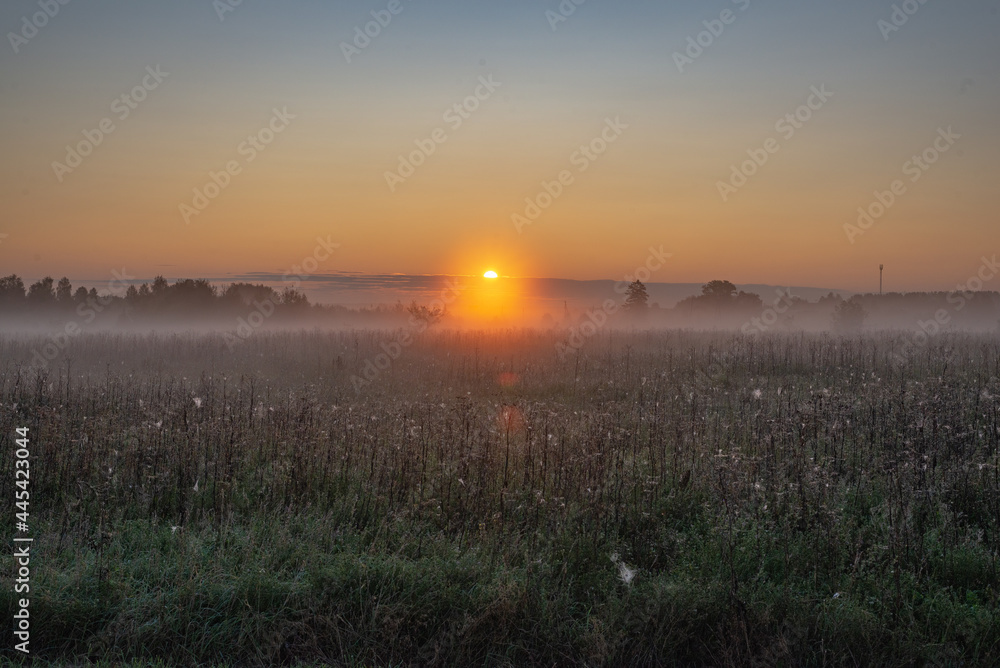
(240,308)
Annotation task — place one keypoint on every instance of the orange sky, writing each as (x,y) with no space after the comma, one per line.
(656,184)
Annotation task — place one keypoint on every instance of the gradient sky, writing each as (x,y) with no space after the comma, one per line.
(324,176)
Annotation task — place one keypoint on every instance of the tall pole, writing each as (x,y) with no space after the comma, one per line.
(881,268)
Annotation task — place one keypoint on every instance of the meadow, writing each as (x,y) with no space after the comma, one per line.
(658,498)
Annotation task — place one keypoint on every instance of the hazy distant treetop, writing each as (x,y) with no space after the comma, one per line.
(64,290)
(719,289)
(184,296)
(247,293)
(425,313)
(293,297)
(721,299)
(11,288)
(831,297)
(748,299)
(638,298)
(42,291)
(849,316)
(192,290)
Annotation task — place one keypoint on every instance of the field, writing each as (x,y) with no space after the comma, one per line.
(668,498)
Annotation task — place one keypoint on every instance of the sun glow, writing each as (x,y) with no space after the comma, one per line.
(490,274)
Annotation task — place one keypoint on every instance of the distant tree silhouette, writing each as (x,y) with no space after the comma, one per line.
(294,298)
(637,298)
(186,294)
(161,299)
(748,300)
(849,316)
(42,291)
(248,293)
(718,290)
(64,291)
(160,285)
(830,298)
(722,293)
(424,313)
(719,303)
(11,289)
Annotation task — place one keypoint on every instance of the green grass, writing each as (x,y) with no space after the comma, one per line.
(847,514)
(298,588)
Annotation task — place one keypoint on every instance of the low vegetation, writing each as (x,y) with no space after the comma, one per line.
(661,498)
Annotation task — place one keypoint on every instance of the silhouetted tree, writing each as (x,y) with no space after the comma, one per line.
(830,298)
(849,316)
(80,295)
(637,298)
(719,289)
(247,293)
(160,285)
(64,290)
(11,289)
(42,291)
(721,293)
(721,302)
(748,300)
(190,291)
(424,313)
(294,298)
(184,295)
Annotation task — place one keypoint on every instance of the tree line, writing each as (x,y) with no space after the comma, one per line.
(48,293)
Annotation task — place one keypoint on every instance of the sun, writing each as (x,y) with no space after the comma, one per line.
(490,274)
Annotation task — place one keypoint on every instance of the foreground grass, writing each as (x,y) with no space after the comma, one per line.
(302,588)
(660,500)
